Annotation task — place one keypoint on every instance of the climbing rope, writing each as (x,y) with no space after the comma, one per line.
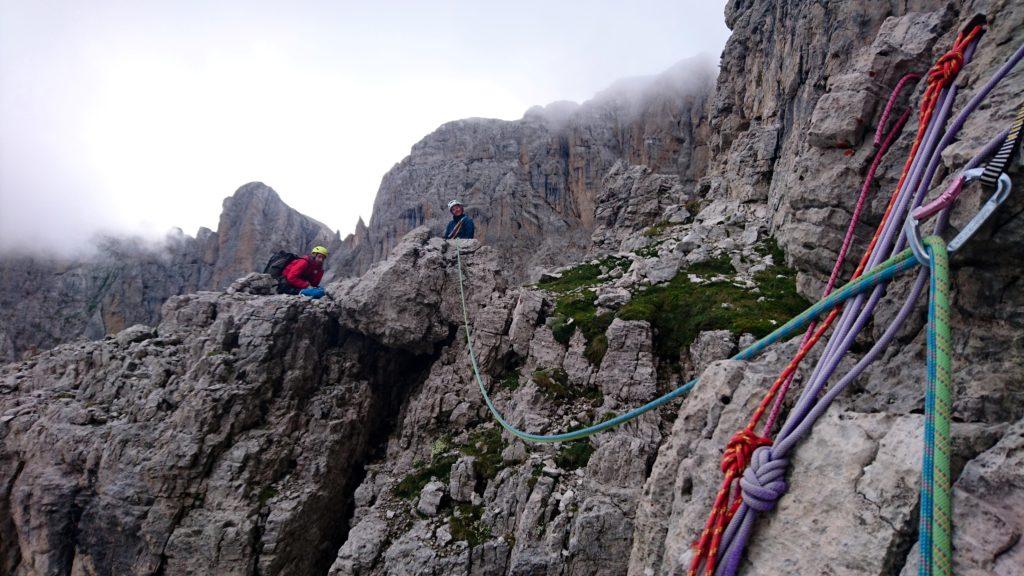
(935,529)
(764,472)
(725,506)
(809,341)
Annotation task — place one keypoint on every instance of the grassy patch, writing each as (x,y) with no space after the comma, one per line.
(680,309)
(266,494)
(574,305)
(485,446)
(718,266)
(538,469)
(694,207)
(553,383)
(465,525)
(440,467)
(509,381)
(770,247)
(577,312)
(581,276)
(574,455)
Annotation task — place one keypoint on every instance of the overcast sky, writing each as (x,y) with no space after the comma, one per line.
(137,116)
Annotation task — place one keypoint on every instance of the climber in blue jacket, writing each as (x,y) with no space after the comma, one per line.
(461,225)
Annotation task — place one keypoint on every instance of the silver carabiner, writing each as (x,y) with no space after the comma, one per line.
(912,233)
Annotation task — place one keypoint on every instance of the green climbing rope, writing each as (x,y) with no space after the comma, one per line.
(936,519)
(877,275)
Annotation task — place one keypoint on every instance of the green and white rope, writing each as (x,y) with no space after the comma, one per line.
(935,538)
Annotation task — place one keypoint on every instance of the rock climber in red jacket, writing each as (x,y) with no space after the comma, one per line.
(302,275)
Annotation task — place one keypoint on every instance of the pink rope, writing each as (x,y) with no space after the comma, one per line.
(889,105)
(883,147)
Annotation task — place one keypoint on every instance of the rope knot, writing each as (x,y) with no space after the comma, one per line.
(763,483)
(946,68)
(739,449)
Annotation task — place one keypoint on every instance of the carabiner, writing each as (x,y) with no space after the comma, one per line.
(910,227)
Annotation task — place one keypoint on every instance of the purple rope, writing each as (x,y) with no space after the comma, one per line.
(764,480)
(857,313)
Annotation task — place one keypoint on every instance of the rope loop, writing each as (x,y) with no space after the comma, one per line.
(946,67)
(764,481)
(739,450)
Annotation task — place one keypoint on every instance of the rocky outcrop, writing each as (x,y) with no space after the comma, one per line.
(124,281)
(254,224)
(532,184)
(227,440)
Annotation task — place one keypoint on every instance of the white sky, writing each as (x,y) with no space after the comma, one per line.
(137,116)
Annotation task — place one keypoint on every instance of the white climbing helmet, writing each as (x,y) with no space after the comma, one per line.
(454,203)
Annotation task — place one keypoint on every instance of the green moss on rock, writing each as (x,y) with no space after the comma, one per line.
(680,309)
(554,383)
(485,446)
(573,455)
(581,276)
(440,467)
(465,525)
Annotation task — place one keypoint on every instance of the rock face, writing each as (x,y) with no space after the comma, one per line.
(254,224)
(531,185)
(46,302)
(255,434)
(125,281)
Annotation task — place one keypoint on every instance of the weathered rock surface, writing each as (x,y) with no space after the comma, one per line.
(228,440)
(254,224)
(532,184)
(45,302)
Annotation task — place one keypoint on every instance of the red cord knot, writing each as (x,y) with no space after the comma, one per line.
(739,449)
(946,68)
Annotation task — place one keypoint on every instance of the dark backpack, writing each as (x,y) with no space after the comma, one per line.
(276,264)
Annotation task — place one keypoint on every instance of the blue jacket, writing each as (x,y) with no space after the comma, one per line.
(465,230)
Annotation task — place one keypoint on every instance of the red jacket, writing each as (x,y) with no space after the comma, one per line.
(303,272)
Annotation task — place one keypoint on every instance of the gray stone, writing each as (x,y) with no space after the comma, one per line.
(710,346)
(612,297)
(121,281)
(134,334)
(254,283)
(463,480)
(430,498)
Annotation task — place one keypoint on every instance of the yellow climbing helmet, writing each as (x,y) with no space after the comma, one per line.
(319,250)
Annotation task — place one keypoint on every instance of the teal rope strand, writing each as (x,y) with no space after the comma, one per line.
(935,533)
(882,273)
(924,566)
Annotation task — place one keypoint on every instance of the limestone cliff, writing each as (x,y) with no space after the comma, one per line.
(532,184)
